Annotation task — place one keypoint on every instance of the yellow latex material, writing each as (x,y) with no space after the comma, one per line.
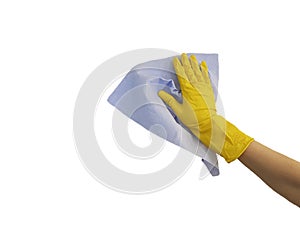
(198,110)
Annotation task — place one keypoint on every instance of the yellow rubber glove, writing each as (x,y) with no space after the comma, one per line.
(198,110)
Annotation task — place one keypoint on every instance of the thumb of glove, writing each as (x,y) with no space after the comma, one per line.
(170,101)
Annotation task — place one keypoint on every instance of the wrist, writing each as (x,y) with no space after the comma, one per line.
(222,137)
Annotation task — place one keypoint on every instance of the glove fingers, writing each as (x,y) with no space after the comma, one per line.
(188,69)
(170,101)
(182,78)
(204,70)
(196,69)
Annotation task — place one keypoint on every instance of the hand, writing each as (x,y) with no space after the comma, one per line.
(198,111)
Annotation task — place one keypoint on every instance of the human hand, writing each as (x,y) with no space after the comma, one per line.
(198,111)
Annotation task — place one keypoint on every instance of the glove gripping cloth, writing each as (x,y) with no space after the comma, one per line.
(142,83)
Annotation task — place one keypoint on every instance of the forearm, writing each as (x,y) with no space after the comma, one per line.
(281,173)
(197,111)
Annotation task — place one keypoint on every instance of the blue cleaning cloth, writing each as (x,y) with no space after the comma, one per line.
(136,97)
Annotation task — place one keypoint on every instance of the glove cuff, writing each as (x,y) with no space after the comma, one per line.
(236,142)
(223,138)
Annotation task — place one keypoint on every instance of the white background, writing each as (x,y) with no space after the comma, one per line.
(47,50)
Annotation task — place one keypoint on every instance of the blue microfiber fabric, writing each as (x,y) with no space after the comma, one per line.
(136,97)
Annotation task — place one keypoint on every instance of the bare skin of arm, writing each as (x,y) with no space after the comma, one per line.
(278,171)
(198,112)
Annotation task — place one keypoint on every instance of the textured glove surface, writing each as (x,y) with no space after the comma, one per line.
(198,110)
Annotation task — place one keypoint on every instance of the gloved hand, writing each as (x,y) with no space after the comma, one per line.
(198,111)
